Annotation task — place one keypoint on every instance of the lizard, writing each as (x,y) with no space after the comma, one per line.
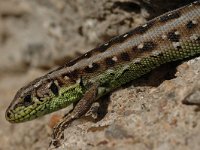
(172,36)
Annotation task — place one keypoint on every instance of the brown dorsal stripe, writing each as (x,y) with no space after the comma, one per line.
(72,75)
(114,40)
(86,55)
(103,47)
(172,36)
(142,29)
(119,39)
(170,16)
(125,56)
(93,68)
(191,25)
(71,63)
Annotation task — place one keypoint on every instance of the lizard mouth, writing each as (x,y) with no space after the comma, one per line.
(11,117)
(22,113)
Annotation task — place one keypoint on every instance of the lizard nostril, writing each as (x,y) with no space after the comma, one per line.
(8,114)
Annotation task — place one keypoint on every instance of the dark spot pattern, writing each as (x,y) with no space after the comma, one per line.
(92,69)
(134,48)
(190,25)
(173,37)
(125,56)
(114,40)
(170,16)
(72,75)
(178,47)
(87,55)
(119,39)
(60,80)
(122,38)
(54,88)
(148,46)
(103,47)
(109,62)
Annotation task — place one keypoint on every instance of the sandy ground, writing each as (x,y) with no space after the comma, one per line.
(37,36)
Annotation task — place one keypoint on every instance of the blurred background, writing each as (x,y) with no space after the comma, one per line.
(37,36)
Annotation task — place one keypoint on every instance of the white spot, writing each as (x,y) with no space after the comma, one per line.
(137,60)
(114,58)
(169,14)
(140,46)
(125,35)
(176,33)
(156,53)
(78,81)
(194,37)
(109,71)
(90,65)
(194,22)
(176,44)
(190,5)
(126,67)
(106,44)
(37,84)
(49,84)
(164,37)
(145,25)
(66,78)
(56,82)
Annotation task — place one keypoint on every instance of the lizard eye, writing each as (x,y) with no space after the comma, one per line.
(27,100)
(54,88)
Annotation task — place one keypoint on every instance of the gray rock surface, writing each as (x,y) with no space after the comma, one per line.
(158,111)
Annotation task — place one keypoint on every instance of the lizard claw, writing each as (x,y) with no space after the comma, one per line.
(55,143)
(57,138)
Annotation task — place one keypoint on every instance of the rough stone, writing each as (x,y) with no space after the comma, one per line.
(149,113)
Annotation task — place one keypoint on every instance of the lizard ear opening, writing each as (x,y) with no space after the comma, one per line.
(54,88)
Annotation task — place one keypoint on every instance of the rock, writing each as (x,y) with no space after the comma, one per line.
(36,36)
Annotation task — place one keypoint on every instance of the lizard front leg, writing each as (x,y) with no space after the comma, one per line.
(80,109)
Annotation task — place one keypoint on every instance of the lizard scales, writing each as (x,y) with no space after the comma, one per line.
(172,36)
(169,37)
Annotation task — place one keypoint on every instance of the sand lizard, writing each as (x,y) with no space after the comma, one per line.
(170,37)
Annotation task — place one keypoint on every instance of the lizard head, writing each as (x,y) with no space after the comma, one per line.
(40,97)
(29,102)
